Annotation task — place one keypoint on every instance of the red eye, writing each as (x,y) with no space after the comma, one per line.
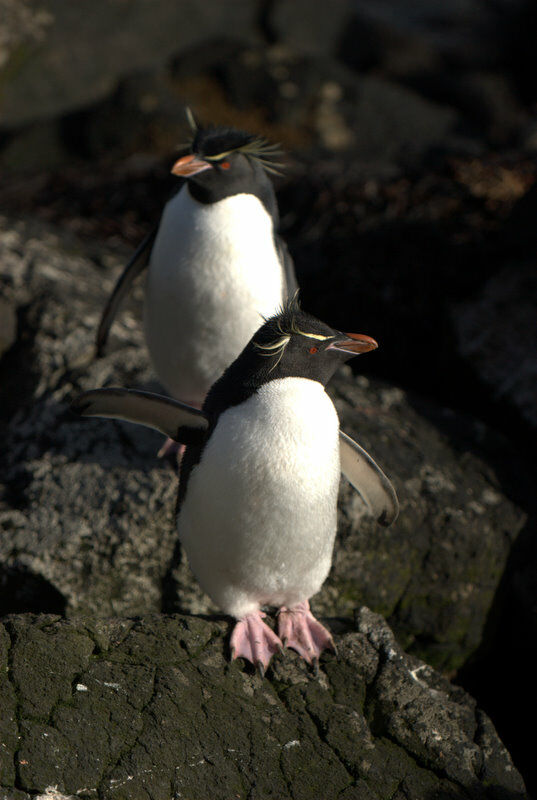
(313,350)
(225,165)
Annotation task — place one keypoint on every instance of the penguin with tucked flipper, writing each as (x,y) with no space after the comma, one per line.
(216,263)
(257,502)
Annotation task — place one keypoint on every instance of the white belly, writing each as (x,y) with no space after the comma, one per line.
(214,274)
(259,518)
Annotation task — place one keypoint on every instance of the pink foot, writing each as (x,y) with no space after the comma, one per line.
(254,640)
(299,629)
(171,449)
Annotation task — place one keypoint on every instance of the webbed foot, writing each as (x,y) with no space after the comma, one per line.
(254,640)
(299,629)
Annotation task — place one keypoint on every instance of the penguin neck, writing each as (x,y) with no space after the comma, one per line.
(236,385)
(208,191)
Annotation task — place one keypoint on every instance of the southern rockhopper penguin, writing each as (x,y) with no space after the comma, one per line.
(257,502)
(216,264)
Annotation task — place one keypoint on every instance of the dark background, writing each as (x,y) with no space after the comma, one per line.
(408,199)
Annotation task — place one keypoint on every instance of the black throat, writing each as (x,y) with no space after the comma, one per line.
(246,177)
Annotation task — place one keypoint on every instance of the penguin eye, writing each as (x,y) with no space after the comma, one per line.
(225,164)
(313,350)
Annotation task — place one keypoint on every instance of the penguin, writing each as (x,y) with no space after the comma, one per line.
(258,485)
(216,265)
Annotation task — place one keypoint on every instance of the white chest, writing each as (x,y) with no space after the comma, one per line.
(259,518)
(214,274)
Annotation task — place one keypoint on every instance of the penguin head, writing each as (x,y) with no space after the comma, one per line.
(290,344)
(296,344)
(225,161)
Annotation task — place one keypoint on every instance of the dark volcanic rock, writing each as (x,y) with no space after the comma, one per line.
(151,708)
(497,335)
(86,49)
(429,573)
(401,255)
(313,106)
(374,121)
(23,26)
(468,33)
(307,27)
(8,325)
(66,543)
(86,511)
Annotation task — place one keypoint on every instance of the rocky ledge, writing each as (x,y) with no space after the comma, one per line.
(86,509)
(150,708)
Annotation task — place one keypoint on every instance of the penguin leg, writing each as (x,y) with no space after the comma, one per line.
(173,450)
(299,629)
(254,640)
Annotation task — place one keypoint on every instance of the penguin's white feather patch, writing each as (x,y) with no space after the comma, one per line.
(259,518)
(214,274)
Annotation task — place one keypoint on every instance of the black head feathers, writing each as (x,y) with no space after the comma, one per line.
(290,320)
(215,142)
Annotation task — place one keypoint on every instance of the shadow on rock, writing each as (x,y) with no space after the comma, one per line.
(22,591)
(501,671)
(501,674)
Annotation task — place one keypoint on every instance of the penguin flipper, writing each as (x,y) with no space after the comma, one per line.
(369,480)
(288,266)
(180,422)
(137,263)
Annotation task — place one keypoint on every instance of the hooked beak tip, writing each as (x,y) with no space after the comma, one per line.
(355,343)
(189,165)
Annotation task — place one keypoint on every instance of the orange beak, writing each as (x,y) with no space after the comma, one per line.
(189,165)
(354,343)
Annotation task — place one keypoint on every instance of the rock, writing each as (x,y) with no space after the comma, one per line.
(466,33)
(461,56)
(8,325)
(496,334)
(151,707)
(23,26)
(486,102)
(325,105)
(400,254)
(87,49)
(87,509)
(85,554)
(429,573)
(309,28)
(313,106)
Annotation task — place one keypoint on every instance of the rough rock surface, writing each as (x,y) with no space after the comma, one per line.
(8,326)
(497,335)
(67,543)
(86,512)
(87,48)
(23,25)
(150,708)
(469,32)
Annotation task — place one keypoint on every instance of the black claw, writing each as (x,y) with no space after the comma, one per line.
(261,669)
(316,667)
